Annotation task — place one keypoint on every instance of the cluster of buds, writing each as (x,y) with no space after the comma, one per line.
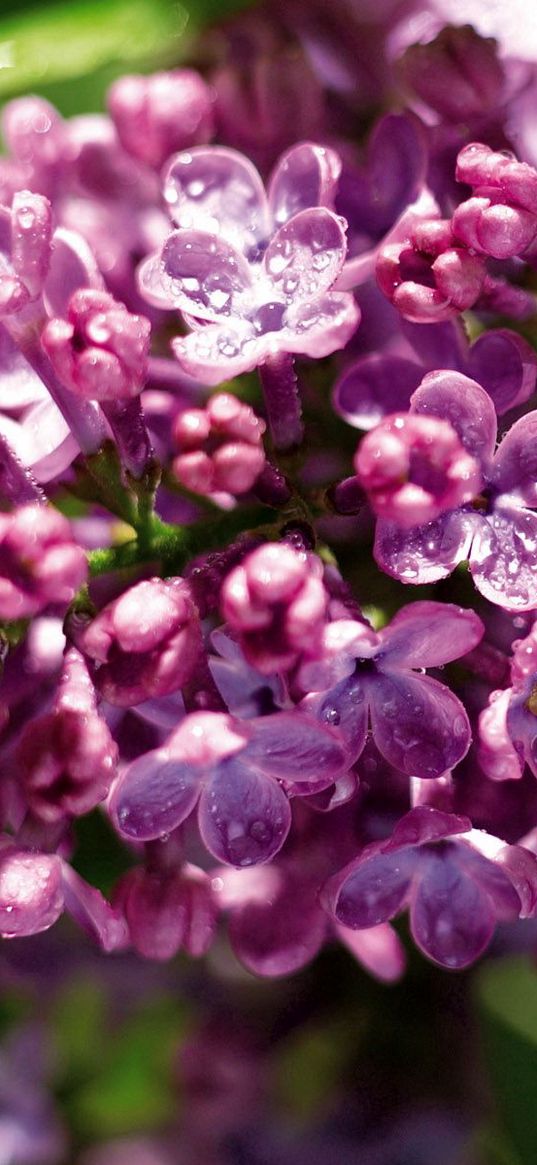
(220,446)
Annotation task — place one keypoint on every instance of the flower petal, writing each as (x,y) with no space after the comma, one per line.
(371,890)
(216,189)
(344,708)
(322,326)
(244,817)
(219,352)
(428,634)
(515,463)
(305,256)
(280,935)
(503,558)
(197,273)
(505,364)
(92,912)
(462,402)
(379,949)
(418,724)
(425,553)
(451,918)
(154,795)
(31,896)
(293,747)
(306,175)
(375,386)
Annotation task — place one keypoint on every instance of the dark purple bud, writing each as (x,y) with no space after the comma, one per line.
(167,911)
(458,74)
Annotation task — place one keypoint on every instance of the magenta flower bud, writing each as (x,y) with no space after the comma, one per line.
(31,893)
(220,446)
(414,468)
(496,172)
(144,644)
(34,133)
(494,228)
(458,74)
(426,276)
(25,249)
(276,601)
(67,757)
(156,115)
(168,911)
(496,754)
(100,351)
(39,561)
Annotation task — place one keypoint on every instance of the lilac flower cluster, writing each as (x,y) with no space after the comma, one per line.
(208,629)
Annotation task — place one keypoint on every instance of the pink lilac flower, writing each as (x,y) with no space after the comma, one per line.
(275,601)
(414,468)
(457,882)
(67,757)
(498,533)
(500,219)
(143,644)
(40,562)
(168,910)
(219,447)
(240,772)
(100,351)
(363,676)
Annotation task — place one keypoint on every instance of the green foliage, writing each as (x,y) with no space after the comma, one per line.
(507,999)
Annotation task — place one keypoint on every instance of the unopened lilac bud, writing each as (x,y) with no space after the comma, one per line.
(168,910)
(100,351)
(40,563)
(276,600)
(501,218)
(25,248)
(426,276)
(458,74)
(34,133)
(31,893)
(67,757)
(414,468)
(144,644)
(220,446)
(159,114)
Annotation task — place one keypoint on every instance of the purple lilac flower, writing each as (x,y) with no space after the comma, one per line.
(276,602)
(143,644)
(417,723)
(457,882)
(252,274)
(39,560)
(458,74)
(161,113)
(219,447)
(414,468)
(168,910)
(235,770)
(498,533)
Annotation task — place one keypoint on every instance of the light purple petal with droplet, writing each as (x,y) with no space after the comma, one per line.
(375,386)
(428,634)
(451,918)
(305,256)
(503,558)
(425,824)
(514,469)
(244,817)
(19,384)
(72,265)
(345,709)
(154,795)
(219,352)
(370,891)
(418,724)
(322,326)
(293,747)
(462,402)
(281,935)
(200,274)
(427,553)
(306,175)
(505,364)
(216,189)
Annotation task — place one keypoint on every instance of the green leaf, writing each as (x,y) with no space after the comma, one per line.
(507,997)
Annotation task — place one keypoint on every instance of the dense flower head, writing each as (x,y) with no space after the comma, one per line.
(220,447)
